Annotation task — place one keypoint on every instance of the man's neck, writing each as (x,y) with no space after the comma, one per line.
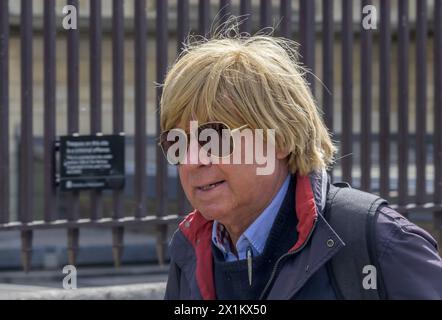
(242,222)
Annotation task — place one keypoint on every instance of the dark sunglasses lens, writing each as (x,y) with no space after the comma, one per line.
(169,139)
(223,146)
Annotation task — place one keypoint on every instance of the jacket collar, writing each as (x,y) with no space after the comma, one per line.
(310,193)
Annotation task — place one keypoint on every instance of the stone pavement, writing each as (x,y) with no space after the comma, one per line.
(148,291)
(127,282)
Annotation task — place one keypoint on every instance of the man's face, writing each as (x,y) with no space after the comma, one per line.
(227,192)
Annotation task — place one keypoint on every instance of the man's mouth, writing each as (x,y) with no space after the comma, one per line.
(210,186)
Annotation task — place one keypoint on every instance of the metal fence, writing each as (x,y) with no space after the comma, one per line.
(303,27)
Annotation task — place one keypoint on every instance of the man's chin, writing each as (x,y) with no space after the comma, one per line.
(212,214)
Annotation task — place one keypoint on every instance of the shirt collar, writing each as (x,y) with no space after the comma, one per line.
(256,234)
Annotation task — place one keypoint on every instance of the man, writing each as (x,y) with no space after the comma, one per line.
(287,234)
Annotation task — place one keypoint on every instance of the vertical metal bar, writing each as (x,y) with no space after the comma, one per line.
(50,199)
(403,146)
(161,242)
(140,107)
(73,241)
(225,10)
(73,76)
(438,103)
(26,249)
(182,31)
(265,13)
(307,38)
(203,16)
(72,102)
(245,9)
(328,35)
(118,112)
(26,130)
(26,139)
(73,126)
(421,101)
(162,40)
(286,18)
(384,107)
(117,245)
(118,85)
(437,155)
(95,76)
(366,104)
(327,61)
(161,166)
(347,91)
(183,26)
(4,111)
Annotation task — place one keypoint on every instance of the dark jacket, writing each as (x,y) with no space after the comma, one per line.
(411,266)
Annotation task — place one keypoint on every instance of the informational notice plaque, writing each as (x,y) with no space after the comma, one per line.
(91,162)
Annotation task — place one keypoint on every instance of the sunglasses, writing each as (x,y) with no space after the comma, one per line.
(213,137)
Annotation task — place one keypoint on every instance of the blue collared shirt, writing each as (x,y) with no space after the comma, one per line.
(255,235)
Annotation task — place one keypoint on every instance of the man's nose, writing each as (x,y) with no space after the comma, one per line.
(197,156)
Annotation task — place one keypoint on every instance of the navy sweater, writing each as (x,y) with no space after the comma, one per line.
(231,278)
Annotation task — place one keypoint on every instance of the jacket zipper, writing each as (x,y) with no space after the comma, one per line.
(275,268)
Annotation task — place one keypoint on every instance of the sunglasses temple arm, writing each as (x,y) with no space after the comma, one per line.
(240,128)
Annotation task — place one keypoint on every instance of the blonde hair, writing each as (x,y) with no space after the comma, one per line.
(255,80)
